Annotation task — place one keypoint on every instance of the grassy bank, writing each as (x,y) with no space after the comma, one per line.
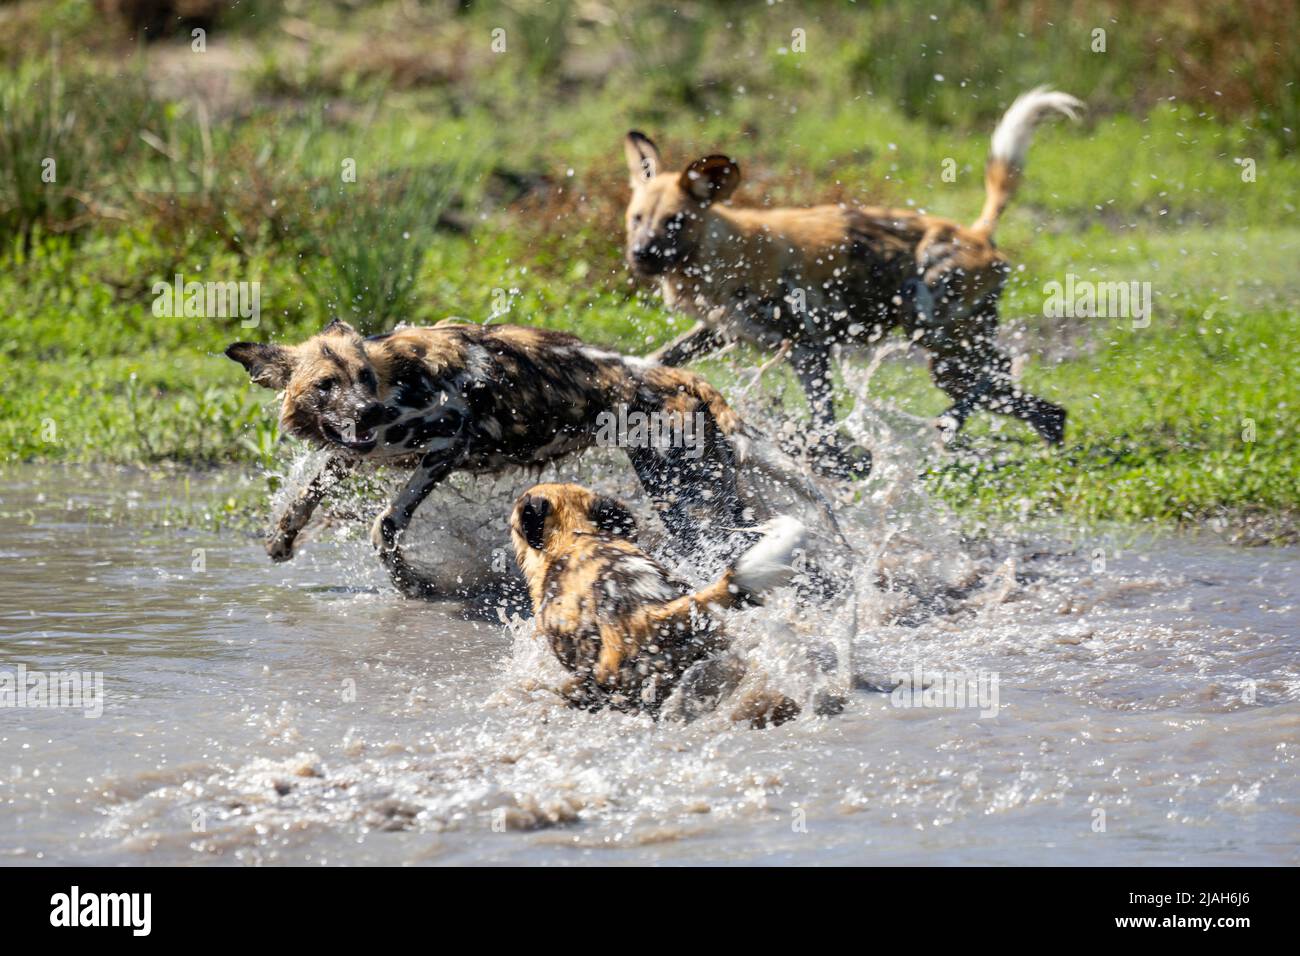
(489,185)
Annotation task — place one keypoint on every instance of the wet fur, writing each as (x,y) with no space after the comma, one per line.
(862,271)
(457,397)
(613,616)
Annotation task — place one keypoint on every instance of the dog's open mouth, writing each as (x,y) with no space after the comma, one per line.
(358,440)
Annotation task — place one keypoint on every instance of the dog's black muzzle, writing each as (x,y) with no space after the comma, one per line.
(359,436)
(654,258)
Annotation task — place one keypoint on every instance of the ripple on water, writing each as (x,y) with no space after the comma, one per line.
(261,713)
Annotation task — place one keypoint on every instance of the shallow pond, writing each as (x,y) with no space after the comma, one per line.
(1147,710)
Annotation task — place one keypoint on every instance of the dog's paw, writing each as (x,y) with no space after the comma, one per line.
(859,460)
(383,533)
(280,545)
(1051,426)
(947,428)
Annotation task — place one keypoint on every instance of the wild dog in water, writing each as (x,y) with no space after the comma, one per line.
(618,620)
(817,276)
(474,398)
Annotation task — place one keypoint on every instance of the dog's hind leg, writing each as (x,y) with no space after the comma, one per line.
(952,309)
(977,375)
(1046,418)
(284,533)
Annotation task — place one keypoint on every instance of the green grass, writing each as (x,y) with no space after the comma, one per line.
(249,190)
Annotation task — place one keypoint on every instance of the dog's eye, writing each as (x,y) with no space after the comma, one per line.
(325,385)
(636,220)
(368,379)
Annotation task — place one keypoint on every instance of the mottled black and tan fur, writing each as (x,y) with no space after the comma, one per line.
(614,617)
(818,276)
(472,398)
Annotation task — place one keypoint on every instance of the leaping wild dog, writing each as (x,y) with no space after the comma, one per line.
(616,619)
(813,277)
(473,398)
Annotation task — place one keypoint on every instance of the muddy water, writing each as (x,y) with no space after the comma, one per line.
(1147,709)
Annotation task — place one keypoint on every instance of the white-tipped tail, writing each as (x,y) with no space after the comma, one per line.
(769,563)
(1016,128)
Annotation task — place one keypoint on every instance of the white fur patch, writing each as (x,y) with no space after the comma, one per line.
(599,355)
(478,363)
(604,355)
(768,564)
(1015,129)
(645,580)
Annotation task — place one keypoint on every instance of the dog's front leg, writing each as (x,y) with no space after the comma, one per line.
(395,519)
(700,340)
(812,365)
(284,532)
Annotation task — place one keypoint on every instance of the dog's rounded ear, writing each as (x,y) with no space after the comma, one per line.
(270,366)
(339,327)
(612,517)
(532,519)
(643,162)
(711,179)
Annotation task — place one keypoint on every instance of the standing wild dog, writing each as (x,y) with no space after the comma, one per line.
(617,619)
(474,398)
(813,277)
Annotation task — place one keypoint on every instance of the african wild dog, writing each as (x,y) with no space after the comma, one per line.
(474,398)
(617,620)
(817,276)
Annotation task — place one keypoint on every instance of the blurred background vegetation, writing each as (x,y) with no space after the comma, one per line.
(490,183)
